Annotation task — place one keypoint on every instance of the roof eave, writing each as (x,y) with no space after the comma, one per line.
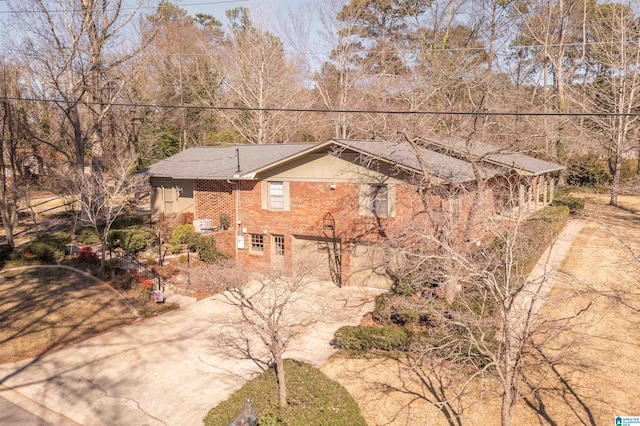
(252,174)
(386,160)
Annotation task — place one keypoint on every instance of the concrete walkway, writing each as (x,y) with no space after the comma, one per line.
(528,302)
(170,369)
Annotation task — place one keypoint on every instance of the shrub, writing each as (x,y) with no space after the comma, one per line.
(382,309)
(184,234)
(563,198)
(225,221)
(206,248)
(45,252)
(150,260)
(629,171)
(127,221)
(404,286)
(364,339)
(87,235)
(57,240)
(586,171)
(186,218)
(87,255)
(315,400)
(131,240)
(5,253)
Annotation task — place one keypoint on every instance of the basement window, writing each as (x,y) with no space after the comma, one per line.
(257,243)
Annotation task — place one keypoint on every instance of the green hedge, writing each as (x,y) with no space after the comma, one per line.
(50,247)
(133,239)
(87,236)
(563,198)
(587,171)
(314,400)
(44,252)
(364,339)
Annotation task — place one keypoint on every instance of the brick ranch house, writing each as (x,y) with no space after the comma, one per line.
(329,203)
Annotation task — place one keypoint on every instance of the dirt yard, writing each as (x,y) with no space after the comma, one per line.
(44,309)
(584,363)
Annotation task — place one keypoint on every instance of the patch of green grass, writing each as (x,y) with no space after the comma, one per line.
(313,398)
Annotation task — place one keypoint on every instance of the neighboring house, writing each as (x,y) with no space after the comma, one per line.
(330,203)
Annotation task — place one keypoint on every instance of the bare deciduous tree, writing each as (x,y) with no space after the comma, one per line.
(613,84)
(103,197)
(273,311)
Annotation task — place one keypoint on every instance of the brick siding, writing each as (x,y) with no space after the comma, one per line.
(309,203)
(212,199)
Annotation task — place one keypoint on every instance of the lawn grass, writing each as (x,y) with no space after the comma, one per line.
(44,309)
(313,399)
(591,369)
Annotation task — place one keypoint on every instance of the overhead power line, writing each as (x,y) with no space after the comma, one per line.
(336,111)
(18,11)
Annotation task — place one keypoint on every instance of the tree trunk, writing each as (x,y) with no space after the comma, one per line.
(615,184)
(280,376)
(6,223)
(103,256)
(511,348)
(507,406)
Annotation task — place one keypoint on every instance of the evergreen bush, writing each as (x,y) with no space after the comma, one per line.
(315,400)
(87,236)
(364,339)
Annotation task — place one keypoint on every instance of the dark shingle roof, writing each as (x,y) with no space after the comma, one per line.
(495,155)
(220,162)
(401,153)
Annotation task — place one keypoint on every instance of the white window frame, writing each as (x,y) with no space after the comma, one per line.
(256,243)
(276,195)
(379,200)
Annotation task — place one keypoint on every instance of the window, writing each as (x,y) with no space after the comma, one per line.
(257,243)
(379,200)
(276,195)
(278,245)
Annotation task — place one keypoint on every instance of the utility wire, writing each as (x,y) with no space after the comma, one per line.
(18,11)
(337,111)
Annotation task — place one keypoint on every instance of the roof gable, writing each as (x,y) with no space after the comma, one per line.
(222,162)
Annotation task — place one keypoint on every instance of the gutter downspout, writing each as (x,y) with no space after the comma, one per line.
(237,217)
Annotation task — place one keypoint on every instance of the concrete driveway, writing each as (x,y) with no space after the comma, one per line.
(171,369)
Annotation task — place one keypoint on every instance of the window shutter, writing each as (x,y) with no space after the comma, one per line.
(264,193)
(286,197)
